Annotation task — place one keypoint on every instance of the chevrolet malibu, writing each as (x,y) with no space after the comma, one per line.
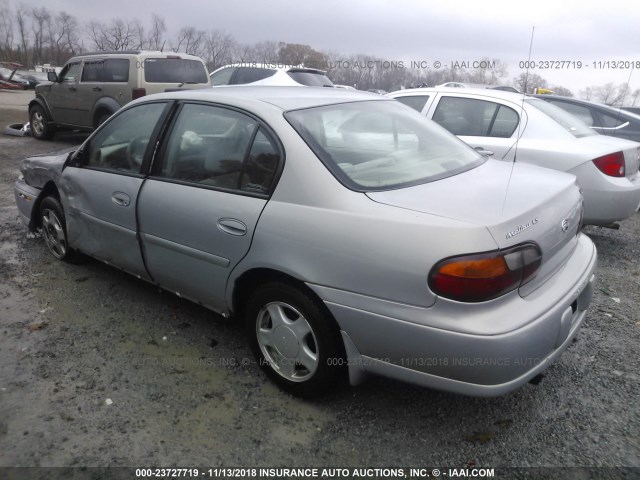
(519,128)
(349,234)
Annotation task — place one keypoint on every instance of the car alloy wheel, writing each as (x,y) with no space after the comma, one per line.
(54,230)
(39,123)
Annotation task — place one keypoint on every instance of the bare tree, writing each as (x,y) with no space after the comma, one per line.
(219,49)
(190,41)
(6,29)
(21,22)
(489,71)
(156,40)
(243,53)
(528,82)
(40,26)
(265,52)
(636,95)
(117,35)
(587,93)
(606,93)
(562,91)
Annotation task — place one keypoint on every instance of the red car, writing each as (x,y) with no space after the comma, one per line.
(7,71)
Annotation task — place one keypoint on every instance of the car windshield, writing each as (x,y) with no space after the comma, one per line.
(174,70)
(572,124)
(381,145)
(310,79)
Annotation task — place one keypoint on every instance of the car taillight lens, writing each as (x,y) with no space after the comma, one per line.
(612,164)
(138,92)
(485,276)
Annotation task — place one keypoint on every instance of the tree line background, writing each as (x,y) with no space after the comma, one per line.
(33,36)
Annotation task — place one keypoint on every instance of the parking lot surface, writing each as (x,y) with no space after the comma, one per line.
(98,368)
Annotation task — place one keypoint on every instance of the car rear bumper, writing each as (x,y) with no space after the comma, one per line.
(26,197)
(607,199)
(471,363)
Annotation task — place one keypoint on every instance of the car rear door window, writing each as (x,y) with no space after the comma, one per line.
(475,118)
(121,144)
(221,148)
(108,70)
(417,102)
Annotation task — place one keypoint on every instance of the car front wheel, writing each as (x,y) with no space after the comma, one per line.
(296,342)
(54,230)
(39,121)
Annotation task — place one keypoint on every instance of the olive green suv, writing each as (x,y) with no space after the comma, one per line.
(93,86)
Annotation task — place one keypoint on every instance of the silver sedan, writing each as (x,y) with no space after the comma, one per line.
(348,233)
(516,127)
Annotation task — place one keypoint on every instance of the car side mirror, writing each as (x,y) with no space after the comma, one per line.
(52,76)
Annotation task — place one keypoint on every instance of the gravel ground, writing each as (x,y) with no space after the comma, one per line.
(100,369)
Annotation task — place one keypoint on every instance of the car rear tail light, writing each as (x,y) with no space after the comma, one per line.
(485,276)
(612,164)
(138,92)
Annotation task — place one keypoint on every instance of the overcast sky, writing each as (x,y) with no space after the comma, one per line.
(445,30)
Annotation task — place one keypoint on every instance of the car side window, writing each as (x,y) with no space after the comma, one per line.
(121,143)
(109,70)
(417,102)
(478,118)
(222,77)
(70,73)
(610,121)
(250,74)
(217,147)
(583,113)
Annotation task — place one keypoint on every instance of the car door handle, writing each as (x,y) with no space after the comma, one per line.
(232,226)
(97,89)
(72,89)
(482,151)
(121,199)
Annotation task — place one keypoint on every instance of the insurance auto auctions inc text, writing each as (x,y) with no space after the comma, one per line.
(372,473)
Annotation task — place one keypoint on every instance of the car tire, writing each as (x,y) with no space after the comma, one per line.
(54,230)
(295,340)
(39,121)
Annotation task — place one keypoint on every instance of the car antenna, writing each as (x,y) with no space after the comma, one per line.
(524,93)
(515,153)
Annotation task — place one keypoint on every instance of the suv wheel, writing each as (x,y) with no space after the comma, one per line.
(39,121)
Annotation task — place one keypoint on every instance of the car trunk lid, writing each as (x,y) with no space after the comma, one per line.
(517,203)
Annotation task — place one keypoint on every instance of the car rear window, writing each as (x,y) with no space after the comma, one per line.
(570,123)
(381,145)
(310,78)
(174,70)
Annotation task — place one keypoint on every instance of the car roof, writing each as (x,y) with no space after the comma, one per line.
(486,92)
(272,66)
(284,98)
(145,53)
